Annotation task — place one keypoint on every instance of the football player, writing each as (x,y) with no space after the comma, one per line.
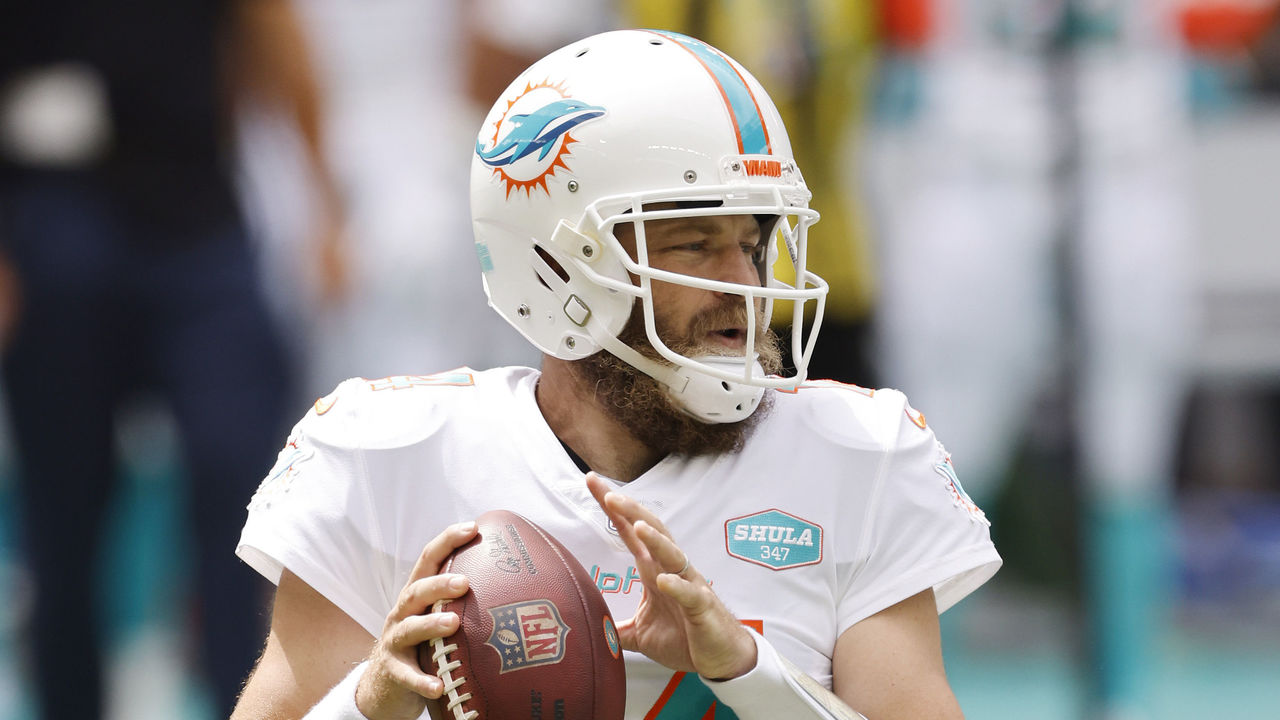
(779,547)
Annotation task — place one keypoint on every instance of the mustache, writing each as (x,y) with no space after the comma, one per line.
(730,315)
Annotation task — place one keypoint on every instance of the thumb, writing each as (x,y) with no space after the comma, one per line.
(627,634)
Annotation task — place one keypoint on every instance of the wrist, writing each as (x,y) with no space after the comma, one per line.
(774,688)
(743,661)
(340,702)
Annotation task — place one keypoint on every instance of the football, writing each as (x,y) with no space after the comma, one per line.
(535,639)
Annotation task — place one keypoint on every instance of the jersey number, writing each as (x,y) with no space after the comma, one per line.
(774,552)
(686,698)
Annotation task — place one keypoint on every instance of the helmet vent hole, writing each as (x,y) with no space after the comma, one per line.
(725,385)
(655,41)
(551,262)
(582,52)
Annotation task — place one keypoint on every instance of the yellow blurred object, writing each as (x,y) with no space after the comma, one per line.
(814,57)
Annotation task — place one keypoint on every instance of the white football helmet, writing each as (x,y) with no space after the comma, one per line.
(591,136)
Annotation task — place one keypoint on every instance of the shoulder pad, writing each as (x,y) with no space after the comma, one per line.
(385,412)
(853,416)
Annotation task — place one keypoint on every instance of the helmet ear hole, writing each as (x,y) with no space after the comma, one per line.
(551,263)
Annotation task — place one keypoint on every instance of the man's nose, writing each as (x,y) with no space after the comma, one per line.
(735,266)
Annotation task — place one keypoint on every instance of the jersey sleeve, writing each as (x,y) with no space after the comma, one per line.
(923,531)
(314,514)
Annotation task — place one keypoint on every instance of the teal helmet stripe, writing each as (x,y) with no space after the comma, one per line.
(753,137)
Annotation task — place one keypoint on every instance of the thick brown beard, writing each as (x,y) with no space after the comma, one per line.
(641,404)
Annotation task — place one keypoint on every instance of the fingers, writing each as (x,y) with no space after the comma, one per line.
(692,596)
(609,503)
(620,507)
(648,540)
(668,556)
(413,631)
(394,686)
(395,682)
(613,505)
(678,579)
(625,513)
(428,686)
(598,487)
(419,595)
(409,625)
(434,554)
(680,621)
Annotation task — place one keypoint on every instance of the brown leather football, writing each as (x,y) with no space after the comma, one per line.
(535,640)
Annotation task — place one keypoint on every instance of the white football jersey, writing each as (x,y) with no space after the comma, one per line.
(842,504)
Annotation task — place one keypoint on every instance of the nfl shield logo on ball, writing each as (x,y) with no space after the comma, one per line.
(527,634)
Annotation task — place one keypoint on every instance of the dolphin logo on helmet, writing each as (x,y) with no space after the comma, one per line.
(538,130)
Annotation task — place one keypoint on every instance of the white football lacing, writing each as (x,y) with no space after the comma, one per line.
(451,684)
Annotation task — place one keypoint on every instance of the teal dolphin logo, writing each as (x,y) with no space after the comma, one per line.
(537,131)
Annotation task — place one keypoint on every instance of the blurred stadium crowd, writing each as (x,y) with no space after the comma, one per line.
(1052,223)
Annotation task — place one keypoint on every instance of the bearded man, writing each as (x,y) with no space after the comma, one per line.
(631,194)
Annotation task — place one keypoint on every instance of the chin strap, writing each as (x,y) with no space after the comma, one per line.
(713,400)
(706,398)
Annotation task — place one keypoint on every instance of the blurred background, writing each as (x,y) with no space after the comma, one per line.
(1053,223)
